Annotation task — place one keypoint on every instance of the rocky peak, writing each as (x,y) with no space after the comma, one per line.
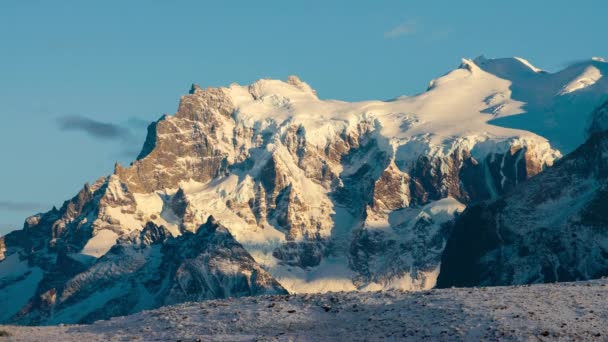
(195,144)
(298,83)
(211,226)
(265,188)
(151,234)
(195,88)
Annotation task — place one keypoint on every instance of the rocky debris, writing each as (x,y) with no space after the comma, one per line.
(569,311)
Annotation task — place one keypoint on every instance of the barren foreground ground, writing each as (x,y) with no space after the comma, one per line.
(569,311)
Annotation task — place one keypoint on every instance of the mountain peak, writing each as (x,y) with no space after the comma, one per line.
(298,83)
(469,64)
(293,88)
(258,178)
(195,88)
(509,65)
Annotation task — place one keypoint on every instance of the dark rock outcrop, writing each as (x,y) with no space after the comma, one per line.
(552,228)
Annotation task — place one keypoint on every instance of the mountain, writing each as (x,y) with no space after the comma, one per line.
(556,105)
(553,228)
(311,195)
(149,269)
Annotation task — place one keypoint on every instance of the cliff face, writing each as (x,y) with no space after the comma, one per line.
(551,229)
(309,195)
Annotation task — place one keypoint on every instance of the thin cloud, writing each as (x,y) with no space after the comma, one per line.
(128,133)
(20,206)
(407,28)
(94,128)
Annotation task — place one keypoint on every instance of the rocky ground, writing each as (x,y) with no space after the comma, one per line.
(566,311)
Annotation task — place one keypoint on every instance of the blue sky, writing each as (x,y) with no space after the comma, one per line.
(79,79)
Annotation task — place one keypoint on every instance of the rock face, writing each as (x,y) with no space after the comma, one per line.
(310,195)
(185,147)
(147,269)
(553,228)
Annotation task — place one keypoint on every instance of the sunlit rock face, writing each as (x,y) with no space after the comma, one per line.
(309,195)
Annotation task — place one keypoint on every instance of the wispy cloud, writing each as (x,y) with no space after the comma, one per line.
(94,128)
(406,28)
(128,133)
(21,206)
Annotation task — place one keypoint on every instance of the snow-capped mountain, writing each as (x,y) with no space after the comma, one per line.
(552,228)
(556,105)
(311,195)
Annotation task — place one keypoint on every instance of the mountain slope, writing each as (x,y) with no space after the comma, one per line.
(149,269)
(552,228)
(555,105)
(324,195)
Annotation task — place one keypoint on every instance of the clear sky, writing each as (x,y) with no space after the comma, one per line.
(78,79)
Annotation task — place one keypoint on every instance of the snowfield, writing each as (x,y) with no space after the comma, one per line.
(562,311)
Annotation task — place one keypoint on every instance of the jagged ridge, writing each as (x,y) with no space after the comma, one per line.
(322,194)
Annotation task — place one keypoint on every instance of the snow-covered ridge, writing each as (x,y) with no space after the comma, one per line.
(528,64)
(588,78)
(322,195)
(453,107)
(283,127)
(555,105)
